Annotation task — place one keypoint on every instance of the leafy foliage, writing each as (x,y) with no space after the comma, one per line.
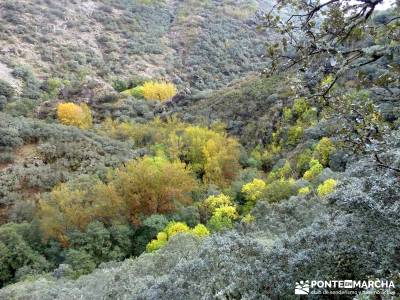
(18,253)
(280,189)
(214,202)
(326,187)
(50,153)
(80,261)
(153,185)
(76,115)
(304,191)
(314,170)
(253,192)
(173,228)
(323,149)
(6,90)
(362,43)
(210,153)
(220,211)
(275,210)
(70,207)
(251,121)
(239,262)
(161,91)
(200,230)
(144,187)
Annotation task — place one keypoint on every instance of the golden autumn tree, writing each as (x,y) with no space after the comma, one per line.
(221,160)
(76,115)
(153,185)
(212,154)
(222,210)
(70,207)
(161,91)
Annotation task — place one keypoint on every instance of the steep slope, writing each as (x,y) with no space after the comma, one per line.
(165,39)
(307,235)
(277,221)
(249,107)
(35,156)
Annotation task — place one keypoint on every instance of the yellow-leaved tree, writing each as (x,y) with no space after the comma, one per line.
(143,187)
(173,228)
(157,90)
(70,207)
(253,191)
(153,185)
(222,210)
(76,115)
(212,154)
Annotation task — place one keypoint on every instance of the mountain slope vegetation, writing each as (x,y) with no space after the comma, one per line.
(198,44)
(185,149)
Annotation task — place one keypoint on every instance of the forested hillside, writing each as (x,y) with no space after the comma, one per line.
(197,44)
(181,149)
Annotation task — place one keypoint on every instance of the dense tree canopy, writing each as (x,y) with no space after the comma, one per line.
(153,185)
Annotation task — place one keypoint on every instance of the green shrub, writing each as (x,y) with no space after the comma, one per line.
(112,243)
(280,189)
(157,222)
(310,117)
(303,161)
(158,243)
(21,107)
(223,218)
(300,106)
(213,202)
(220,223)
(269,156)
(248,218)
(145,233)
(81,262)
(253,191)
(295,133)
(53,86)
(281,173)
(222,210)
(120,85)
(255,159)
(173,228)
(136,92)
(6,90)
(17,250)
(287,114)
(323,150)
(188,214)
(314,170)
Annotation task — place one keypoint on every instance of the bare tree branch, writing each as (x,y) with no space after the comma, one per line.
(381,164)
